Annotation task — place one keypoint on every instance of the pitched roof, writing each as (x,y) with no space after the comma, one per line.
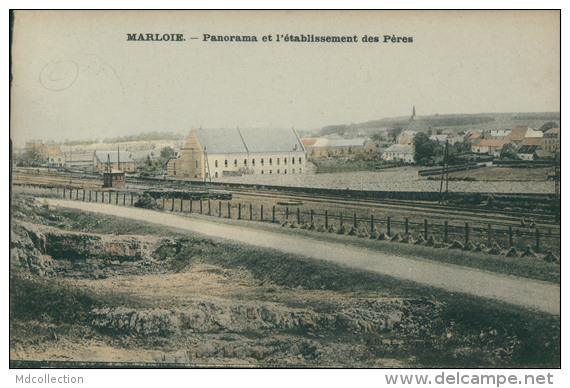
(51,143)
(354,142)
(252,140)
(475,135)
(308,142)
(527,149)
(316,142)
(517,134)
(492,143)
(553,130)
(124,157)
(531,141)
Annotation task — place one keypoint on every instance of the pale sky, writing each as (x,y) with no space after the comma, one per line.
(77,77)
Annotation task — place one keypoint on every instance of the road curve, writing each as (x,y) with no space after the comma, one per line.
(517,291)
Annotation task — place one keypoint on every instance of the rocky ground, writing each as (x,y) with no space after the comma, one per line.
(114,297)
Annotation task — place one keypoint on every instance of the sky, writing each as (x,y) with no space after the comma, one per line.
(77,77)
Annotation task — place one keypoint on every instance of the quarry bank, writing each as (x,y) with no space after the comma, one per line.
(184,299)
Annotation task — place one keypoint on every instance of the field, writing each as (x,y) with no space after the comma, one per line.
(258,306)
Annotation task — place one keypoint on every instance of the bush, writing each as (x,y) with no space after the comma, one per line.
(147,202)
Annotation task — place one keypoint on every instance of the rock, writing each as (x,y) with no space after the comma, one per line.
(480,248)
(431,241)
(367,327)
(396,238)
(550,257)
(407,239)
(495,250)
(312,227)
(352,231)
(306,322)
(215,327)
(252,313)
(286,224)
(469,247)
(304,226)
(513,252)
(456,245)
(383,237)
(331,229)
(420,241)
(258,354)
(374,235)
(342,230)
(228,352)
(529,253)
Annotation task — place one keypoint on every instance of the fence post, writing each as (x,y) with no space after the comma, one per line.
(229,210)
(70,193)
(181,204)
(261,217)
(425,229)
(220,209)
(250,212)
(466,233)
(209,207)
(89,195)
(239,211)
(406,224)
(341,220)
(273,217)
(117,198)
(326,219)
(510,236)
(83,195)
(388,226)
(298,215)
(76,194)
(64,193)
(96,192)
(371,223)
(287,213)
(110,194)
(445,232)
(172,206)
(489,234)
(355,222)
(124,198)
(132,199)
(201,206)
(190,205)
(312,214)
(537,240)
(57,191)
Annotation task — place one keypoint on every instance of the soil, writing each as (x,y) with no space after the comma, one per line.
(184,298)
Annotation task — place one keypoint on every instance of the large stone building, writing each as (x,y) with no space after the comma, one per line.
(214,153)
(113,161)
(36,150)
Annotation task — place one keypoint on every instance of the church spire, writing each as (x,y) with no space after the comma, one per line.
(413,113)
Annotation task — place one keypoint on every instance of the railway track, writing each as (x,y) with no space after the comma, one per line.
(414,208)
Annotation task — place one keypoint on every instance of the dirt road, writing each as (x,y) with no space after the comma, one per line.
(522,292)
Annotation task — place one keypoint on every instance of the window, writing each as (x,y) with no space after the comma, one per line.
(245,162)
(293,160)
(262,171)
(262,161)
(270,161)
(226,163)
(216,164)
(300,161)
(174,172)
(285,172)
(293,171)
(284,160)
(277,171)
(196,164)
(216,174)
(277,161)
(270,171)
(253,162)
(300,171)
(235,162)
(174,165)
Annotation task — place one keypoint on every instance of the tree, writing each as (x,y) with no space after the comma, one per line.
(167,153)
(425,150)
(509,151)
(547,126)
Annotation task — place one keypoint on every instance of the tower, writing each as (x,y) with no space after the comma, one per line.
(413,113)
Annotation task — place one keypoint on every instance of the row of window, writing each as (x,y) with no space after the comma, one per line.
(270,171)
(262,162)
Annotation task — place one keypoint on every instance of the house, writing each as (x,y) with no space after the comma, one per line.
(475,138)
(489,146)
(214,153)
(499,134)
(110,161)
(551,140)
(526,152)
(440,139)
(35,149)
(454,138)
(114,178)
(517,135)
(338,146)
(398,152)
(406,138)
